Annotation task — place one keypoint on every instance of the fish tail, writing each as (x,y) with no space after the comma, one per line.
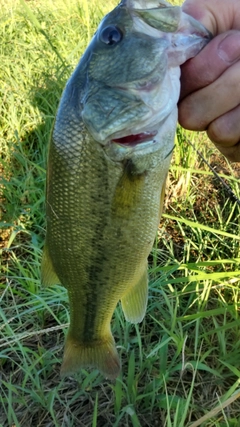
(101,354)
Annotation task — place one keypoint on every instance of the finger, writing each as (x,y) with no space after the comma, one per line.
(217,16)
(199,109)
(202,12)
(231,153)
(210,63)
(225,133)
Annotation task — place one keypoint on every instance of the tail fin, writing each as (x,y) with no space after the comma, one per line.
(100,354)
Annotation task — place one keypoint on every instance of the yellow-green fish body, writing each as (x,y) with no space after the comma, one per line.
(108,161)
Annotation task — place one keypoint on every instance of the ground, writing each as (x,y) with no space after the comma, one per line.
(182,362)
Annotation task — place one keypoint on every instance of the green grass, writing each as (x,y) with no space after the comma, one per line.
(182,362)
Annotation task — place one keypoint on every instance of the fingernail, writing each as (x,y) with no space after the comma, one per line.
(229,48)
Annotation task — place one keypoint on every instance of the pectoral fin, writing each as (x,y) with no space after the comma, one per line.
(134,303)
(48,275)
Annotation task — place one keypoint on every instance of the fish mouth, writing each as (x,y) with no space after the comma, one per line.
(158,138)
(135,140)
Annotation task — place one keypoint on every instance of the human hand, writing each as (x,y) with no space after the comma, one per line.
(210,82)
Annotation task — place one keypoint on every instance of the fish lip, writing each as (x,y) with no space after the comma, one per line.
(150,142)
(127,149)
(118,152)
(158,139)
(195,28)
(134,140)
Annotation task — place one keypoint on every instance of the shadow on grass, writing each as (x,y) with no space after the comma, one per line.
(24,162)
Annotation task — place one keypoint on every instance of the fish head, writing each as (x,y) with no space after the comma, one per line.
(128,79)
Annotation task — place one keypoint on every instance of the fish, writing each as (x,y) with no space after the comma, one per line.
(108,160)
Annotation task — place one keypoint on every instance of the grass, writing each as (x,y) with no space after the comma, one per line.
(180,366)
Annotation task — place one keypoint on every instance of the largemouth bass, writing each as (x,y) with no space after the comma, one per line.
(108,160)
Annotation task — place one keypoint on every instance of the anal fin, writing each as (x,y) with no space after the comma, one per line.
(48,275)
(134,303)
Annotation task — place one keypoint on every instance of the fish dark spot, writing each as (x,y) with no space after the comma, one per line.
(132,170)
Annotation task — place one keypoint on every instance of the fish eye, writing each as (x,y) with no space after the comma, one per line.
(111,35)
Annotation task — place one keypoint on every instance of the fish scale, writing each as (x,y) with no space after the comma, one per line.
(102,252)
(108,160)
